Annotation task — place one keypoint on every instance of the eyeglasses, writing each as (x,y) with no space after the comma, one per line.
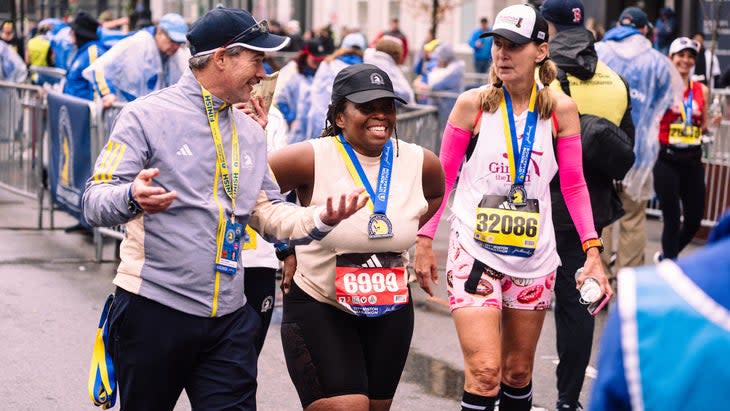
(252,32)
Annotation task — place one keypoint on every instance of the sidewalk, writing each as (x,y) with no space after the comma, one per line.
(51,293)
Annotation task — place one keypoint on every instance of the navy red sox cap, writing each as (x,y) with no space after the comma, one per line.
(564,14)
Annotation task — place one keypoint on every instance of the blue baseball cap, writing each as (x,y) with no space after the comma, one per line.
(175,27)
(224,27)
(633,17)
(564,14)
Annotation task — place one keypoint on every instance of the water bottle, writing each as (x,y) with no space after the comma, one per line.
(590,291)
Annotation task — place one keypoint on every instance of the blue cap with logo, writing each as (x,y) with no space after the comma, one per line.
(175,27)
(564,14)
(223,27)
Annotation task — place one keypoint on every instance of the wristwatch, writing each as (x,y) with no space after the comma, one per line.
(132,204)
(593,242)
(283,250)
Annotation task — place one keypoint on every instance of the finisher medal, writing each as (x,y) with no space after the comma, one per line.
(379,226)
(517,195)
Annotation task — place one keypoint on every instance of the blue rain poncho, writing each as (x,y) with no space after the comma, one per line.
(12,67)
(653,81)
(134,67)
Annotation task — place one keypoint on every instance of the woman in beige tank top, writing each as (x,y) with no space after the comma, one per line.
(348,316)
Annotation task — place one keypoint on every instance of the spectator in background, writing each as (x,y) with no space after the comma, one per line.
(653,83)
(12,67)
(294,31)
(350,52)
(394,30)
(424,62)
(701,70)
(151,59)
(88,49)
(446,76)
(665,29)
(295,96)
(38,50)
(385,56)
(482,47)
(665,344)
(9,36)
(62,45)
(327,38)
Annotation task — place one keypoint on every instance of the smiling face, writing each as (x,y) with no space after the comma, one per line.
(684,60)
(516,61)
(367,126)
(242,72)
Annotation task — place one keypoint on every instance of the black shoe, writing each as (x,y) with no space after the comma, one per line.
(568,406)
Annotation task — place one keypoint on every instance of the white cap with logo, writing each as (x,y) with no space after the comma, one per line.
(519,24)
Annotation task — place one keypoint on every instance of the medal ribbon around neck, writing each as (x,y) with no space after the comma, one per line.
(228,176)
(519,157)
(687,107)
(378,201)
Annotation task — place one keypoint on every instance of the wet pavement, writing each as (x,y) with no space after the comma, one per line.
(52,291)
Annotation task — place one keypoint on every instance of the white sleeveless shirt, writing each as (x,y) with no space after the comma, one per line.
(487,172)
(316,261)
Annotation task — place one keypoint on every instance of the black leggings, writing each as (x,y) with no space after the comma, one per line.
(330,352)
(679,176)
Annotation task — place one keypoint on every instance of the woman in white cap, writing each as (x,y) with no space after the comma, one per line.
(679,176)
(348,316)
(502,255)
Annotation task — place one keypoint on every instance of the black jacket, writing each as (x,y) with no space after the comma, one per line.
(573,52)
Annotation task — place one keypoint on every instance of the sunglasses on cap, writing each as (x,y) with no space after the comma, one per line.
(252,32)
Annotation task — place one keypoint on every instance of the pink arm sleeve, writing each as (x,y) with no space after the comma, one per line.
(453,149)
(573,186)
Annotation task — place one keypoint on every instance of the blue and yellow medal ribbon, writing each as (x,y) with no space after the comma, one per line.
(687,108)
(378,201)
(102,381)
(519,157)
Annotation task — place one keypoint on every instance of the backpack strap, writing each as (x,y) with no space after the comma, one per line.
(564,83)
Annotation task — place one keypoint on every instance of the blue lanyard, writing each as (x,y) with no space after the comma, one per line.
(521,158)
(378,197)
(687,104)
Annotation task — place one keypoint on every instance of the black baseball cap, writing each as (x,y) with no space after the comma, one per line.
(223,27)
(361,83)
(519,24)
(84,25)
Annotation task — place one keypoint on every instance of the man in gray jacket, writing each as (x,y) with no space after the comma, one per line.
(186,172)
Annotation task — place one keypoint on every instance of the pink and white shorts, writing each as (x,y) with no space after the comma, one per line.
(494,289)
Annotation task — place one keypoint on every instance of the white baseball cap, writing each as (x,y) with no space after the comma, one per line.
(519,24)
(683,43)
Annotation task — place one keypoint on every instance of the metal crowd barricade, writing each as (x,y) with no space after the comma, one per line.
(716,159)
(419,124)
(22,141)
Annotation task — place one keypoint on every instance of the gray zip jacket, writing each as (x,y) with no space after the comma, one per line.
(169,257)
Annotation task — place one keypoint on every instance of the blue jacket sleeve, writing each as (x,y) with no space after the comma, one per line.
(610,391)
